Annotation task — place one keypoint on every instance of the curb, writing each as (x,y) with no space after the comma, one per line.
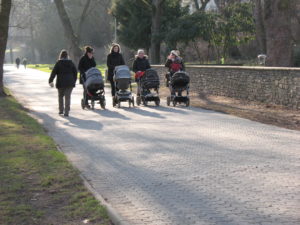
(112,213)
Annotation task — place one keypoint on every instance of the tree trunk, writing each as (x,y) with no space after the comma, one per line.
(260,27)
(74,49)
(278,32)
(4,18)
(155,30)
(82,18)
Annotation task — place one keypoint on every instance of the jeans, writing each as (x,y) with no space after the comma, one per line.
(64,99)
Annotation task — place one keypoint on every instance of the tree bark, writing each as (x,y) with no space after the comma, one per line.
(74,49)
(82,18)
(278,32)
(4,24)
(260,27)
(155,30)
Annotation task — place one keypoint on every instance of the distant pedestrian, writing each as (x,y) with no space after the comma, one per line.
(86,62)
(66,73)
(114,58)
(18,61)
(24,62)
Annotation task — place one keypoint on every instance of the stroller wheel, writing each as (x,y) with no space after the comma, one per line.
(138,100)
(168,100)
(174,103)
(82,104)
(145,103)
(119,104)
(93,105)
(114,101)
(103,104)
(157,102)
(187,103)
(132,101)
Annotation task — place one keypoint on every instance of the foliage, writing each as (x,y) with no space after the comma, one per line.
(134,21)
(235,26)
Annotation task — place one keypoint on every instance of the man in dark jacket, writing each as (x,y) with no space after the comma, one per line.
(66,74)
(114,58)
(86,62)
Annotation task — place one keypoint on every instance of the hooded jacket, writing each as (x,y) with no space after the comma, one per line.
(66,73)
(141,64)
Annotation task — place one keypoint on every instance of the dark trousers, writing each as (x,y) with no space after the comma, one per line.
(86,101)
(112,85)
(64,99)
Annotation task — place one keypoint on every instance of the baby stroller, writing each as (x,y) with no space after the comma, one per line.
(122,83)
(93,88)
(148,88)
(178,83)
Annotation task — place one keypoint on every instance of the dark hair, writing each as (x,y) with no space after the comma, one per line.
(88,49)
(115,45)
(63,54)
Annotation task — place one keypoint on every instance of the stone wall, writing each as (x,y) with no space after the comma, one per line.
(269,85)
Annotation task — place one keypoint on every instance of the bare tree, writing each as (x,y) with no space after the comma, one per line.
(155,30)
(4,24)
(277,16)
(69,32)
(260,26)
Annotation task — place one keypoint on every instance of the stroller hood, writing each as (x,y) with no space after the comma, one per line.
(180,79)
(150,79)
(122,72)
(93,78)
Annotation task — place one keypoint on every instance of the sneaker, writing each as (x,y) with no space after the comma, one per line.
(88,106)
(60,113)
(66,114)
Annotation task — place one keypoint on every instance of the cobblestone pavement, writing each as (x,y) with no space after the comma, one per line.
(173,166)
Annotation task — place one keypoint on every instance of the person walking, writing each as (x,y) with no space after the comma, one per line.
(86,62)
(174,63)
(140,65)
(66,75)
(114,58)
(18,61)
(24,61)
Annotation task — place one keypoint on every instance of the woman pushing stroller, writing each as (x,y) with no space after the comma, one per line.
(140,65)
(86,62)
(175,64)
(147,80)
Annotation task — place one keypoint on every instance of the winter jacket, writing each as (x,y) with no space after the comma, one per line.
(175,65)
(114,59)
(66,73)
(141,64)
(85,63)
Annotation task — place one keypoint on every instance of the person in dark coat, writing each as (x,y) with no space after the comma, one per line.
(66,75)
(114,59)
(174,63)
(140,65)
(86,62)
(18,61)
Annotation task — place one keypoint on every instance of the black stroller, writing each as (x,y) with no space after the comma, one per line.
(148,88)
(178,83)
(93,88)
(122,84)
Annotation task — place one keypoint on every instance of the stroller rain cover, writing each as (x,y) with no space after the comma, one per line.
(93,78)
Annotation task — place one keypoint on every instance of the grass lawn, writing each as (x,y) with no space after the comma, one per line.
(48,67)
(37,183)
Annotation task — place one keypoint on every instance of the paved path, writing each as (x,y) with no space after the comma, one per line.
(174,166)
